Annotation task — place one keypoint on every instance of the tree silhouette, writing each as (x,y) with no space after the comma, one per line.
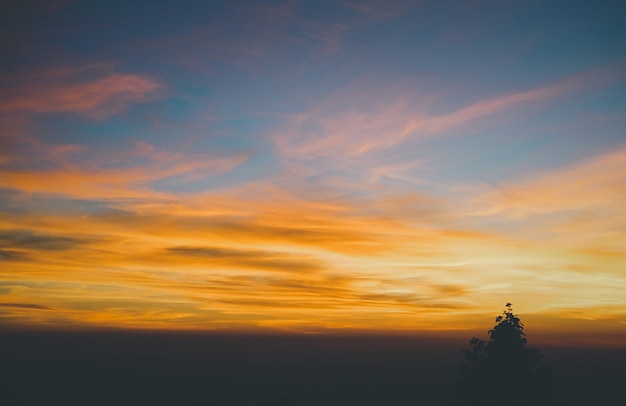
(504,371)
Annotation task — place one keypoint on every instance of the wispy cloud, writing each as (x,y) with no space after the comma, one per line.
(13,255)
(110,176)
(229,257)
(26,239)
(348,128)
(98,95)
(32,306)
(596,184)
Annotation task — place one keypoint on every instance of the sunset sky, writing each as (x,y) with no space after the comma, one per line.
(313,166)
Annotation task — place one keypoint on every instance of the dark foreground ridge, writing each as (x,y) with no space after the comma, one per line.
(125,368)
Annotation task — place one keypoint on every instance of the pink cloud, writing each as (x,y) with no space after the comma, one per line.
(356,130)
(97,98)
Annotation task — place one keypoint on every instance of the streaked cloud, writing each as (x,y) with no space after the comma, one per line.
(96,177)
(597,184)
(97,97)
(26,239)
(13,255)
(25,306)
(274,261)
(373,133)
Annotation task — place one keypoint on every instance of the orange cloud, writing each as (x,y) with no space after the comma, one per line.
(597,184)
(300,258)
(248,261)
(217,262)
(579,208)
(97,178)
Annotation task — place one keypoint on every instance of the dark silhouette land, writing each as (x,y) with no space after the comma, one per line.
(504,371)
(126,368)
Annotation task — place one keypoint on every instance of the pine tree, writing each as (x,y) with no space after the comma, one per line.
(504,371)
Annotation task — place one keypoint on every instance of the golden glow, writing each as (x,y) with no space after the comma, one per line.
(92,242)
(238,261)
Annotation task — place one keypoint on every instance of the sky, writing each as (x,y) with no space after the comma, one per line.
(313,166)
